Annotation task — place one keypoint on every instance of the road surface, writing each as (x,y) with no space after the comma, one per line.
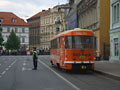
(16,74)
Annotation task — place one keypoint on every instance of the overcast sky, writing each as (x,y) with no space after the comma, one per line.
(27,8)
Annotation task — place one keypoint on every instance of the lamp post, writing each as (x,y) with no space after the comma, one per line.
(57,22)
(63,20)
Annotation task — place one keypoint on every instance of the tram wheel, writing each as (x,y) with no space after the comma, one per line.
(51,63)
(58,65)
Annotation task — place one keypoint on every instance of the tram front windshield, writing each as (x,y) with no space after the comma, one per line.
(79,42)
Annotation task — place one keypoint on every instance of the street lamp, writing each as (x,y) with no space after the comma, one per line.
(57,22)
(63,20)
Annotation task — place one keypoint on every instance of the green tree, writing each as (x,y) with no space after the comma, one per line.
(13,42)
(1,38)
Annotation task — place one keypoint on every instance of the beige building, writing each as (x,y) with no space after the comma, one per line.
(49,26)
(89,17)
(95,15)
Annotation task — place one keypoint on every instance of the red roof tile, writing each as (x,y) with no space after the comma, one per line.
(40,13)
(8,19)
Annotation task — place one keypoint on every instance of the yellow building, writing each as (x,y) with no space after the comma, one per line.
(95,15)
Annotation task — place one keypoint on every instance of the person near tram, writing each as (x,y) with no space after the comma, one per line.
(35,59)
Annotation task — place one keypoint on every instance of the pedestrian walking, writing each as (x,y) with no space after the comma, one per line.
(35,59)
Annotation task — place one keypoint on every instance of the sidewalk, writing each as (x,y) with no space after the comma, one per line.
(108,69)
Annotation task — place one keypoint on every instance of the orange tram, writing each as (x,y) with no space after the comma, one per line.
(73,49)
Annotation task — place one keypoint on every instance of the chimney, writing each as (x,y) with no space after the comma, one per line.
(49,9)
(43,10)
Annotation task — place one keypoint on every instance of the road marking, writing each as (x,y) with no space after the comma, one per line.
(26,69)
(7,68)
(23,69)
(3,72)
(0,64)
(24,64)
(59,75)
(13,63)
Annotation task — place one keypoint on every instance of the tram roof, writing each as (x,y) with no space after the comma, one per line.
(75,32)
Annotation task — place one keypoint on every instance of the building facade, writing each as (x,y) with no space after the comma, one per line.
(115,31)
(95,15)
(71,19)
(45,30)
(50,26)
(12,22)
(34,31)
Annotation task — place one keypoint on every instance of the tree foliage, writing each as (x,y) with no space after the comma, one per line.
(1,38)
(13,42)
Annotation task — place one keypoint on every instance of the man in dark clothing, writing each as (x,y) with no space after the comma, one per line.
(35,57)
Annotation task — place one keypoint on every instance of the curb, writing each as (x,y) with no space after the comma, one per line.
(109,75)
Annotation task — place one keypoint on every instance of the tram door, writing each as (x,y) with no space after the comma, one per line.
(62,50)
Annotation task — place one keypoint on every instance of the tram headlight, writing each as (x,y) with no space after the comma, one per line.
(66,59)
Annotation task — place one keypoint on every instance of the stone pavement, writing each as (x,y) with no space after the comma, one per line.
(108,69)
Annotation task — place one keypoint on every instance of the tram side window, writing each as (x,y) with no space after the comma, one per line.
(58,42)
(68,42)
(55,43)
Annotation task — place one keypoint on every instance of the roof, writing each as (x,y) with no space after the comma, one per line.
(8,19)
(77,32)
(38,14)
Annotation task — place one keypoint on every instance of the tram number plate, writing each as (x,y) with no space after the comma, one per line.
(83,67)
(82,57)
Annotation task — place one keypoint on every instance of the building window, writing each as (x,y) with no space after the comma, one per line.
(7,37)
(1,20)
(16,29)
(14,20)
(23,30)
(8,29)
(23,40)
(116,51)
(116,12)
